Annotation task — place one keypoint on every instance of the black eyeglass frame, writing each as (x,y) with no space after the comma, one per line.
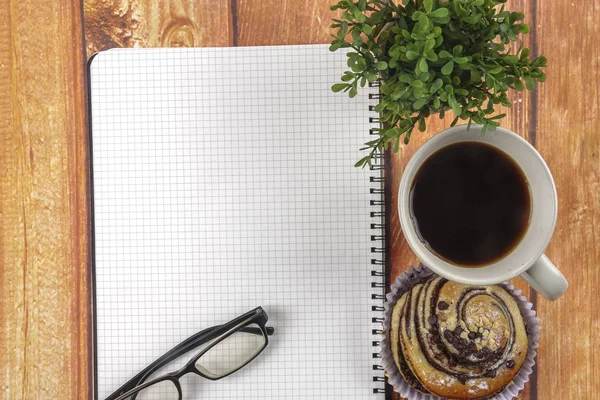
(216,334)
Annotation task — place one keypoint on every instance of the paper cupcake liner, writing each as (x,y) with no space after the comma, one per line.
(420,274)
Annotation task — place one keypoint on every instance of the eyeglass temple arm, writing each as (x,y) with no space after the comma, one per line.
(185,346)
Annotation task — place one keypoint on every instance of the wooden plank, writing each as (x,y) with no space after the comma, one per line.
(518,119)
(43,202)
(147,23)
(567,121)
(273,22)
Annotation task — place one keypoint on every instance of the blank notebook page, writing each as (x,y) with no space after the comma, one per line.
(223,180)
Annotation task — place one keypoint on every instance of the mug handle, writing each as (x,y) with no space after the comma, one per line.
(546,279)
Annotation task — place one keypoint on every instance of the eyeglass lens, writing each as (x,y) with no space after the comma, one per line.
(232,352)
(163,390)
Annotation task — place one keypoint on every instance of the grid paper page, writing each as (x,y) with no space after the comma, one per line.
(223,179)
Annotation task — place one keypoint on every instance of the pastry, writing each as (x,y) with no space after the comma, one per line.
(456,341)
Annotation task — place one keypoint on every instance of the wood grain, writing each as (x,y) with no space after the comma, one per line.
(43,202)
(567,123)
(273,22)
(148,23)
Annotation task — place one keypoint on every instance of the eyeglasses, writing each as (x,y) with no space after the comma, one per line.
(229,347)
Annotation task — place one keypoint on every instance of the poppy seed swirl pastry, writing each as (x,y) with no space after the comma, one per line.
(457,341)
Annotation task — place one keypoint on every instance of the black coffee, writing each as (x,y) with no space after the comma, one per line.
(470,203)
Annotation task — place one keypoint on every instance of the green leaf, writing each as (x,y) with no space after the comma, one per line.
(400,92)
(363,161)
(417,84)
(441,21)
(367,30)
(360,17)
(448,68)
(419,92)
(429,44)
(439,13)
(521,28)
(455,106)
(339,87)
(394,50)
(352,92)
(391,133)
(484,128)
(381,65)
(475,77)
(428,4)
(423,65)
(445,55)
(461,60)
(524,54)
(496,70)
(334,46)
(406,78)
(457,50)
(431,56)
(424,76)
(405,123)
(529,83)
(516,16)
(472,19)
(348,76)
(347,16)
(417,15)
(436,85)
(436,103)
(499,116)
(418,104)
(379,107)
(539,62)
(407,136)
(412,55)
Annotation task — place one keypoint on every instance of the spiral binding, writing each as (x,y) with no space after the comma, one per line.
(378,263)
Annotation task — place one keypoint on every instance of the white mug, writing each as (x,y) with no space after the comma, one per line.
(527,259)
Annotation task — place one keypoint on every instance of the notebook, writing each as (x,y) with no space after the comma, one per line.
(222,180)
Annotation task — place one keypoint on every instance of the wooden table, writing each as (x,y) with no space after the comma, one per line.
(44,203)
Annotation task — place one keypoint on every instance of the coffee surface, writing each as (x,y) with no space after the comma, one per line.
(470,203)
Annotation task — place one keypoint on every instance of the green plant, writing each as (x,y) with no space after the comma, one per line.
(431,56)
